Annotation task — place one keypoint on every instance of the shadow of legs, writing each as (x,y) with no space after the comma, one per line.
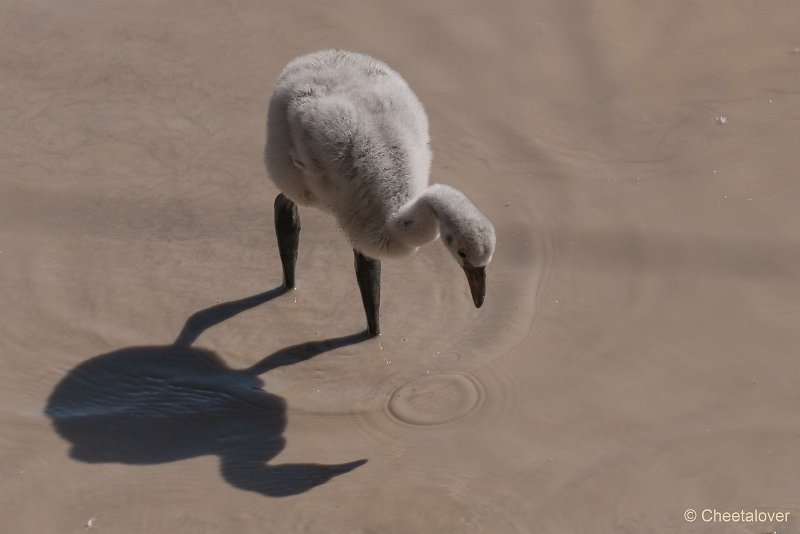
(303,351)
(201,321)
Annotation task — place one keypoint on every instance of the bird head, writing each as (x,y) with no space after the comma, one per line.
(471,241)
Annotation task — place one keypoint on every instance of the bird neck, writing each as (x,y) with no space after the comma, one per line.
(417,222)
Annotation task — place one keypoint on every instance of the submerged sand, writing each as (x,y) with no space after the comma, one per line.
(637,355)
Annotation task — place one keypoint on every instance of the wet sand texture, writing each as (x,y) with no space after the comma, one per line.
(637,354)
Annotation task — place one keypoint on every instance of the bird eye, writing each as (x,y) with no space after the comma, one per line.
(407,223)
(462,254)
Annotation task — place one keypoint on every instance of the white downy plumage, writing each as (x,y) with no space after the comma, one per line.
(346,134)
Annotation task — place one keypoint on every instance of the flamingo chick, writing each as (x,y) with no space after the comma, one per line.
(345,134)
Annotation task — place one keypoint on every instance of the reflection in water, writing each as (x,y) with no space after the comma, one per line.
(156,404)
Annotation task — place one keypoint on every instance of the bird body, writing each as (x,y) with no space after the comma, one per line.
(347,135)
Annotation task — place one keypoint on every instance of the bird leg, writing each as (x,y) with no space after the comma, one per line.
(368,274)
(287,229)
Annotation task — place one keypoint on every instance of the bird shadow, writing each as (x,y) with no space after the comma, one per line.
(157,404)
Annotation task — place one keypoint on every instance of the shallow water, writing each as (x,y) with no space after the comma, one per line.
(637,352)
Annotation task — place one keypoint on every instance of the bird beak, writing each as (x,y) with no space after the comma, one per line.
(476,276)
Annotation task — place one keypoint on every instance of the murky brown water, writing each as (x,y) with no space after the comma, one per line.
(637,354)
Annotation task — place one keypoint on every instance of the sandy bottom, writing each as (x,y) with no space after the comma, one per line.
(637,355)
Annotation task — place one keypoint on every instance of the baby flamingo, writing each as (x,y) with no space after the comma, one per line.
(345,134)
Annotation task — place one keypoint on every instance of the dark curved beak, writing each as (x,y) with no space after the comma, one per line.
(476,276)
